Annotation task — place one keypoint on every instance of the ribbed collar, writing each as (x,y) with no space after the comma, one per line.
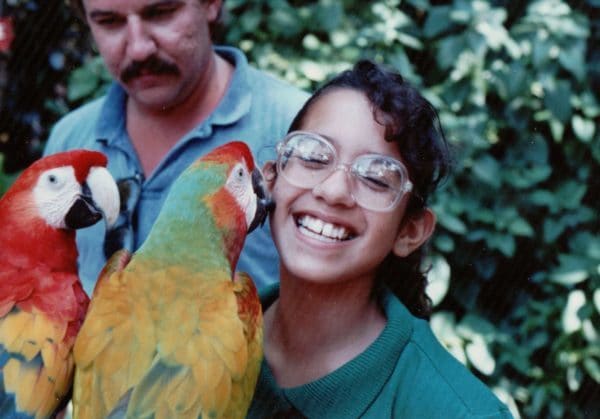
(360,380)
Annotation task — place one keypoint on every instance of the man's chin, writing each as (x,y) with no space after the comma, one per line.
(159,97)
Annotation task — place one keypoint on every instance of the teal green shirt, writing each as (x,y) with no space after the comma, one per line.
(404,373)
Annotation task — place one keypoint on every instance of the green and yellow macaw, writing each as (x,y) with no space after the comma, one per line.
(173,331)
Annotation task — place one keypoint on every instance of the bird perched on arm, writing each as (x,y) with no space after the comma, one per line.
(42,303)
(173,330)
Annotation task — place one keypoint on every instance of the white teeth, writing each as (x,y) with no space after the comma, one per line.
(319,229)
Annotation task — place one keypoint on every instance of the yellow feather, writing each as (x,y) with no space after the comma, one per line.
(15,324)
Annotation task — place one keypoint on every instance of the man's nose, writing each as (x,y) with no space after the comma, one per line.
(336,188)
(140,42)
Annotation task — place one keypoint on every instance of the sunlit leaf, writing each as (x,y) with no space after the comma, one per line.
(570,319)
(583,128)
(592,367)
(443,327)
(438,279)
(480,356)
(574,378)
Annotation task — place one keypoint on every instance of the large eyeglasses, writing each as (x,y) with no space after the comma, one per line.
(378,182)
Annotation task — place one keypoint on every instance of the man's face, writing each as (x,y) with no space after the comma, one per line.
(158,50)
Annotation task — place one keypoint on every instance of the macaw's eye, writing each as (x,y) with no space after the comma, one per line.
(240,173)
(52,179)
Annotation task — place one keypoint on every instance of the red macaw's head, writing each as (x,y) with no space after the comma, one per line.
(58,193)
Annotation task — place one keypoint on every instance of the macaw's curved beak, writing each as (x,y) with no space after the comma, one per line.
(264,203)
(99,198)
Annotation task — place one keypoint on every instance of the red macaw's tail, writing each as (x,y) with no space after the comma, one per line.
(36,365)
(38,325)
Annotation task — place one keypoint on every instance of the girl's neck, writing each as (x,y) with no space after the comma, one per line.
(313,329)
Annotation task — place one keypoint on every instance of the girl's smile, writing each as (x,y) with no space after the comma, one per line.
(322,230)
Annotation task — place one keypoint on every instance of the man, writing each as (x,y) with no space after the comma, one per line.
(176,97)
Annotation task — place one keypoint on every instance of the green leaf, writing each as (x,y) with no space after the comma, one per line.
(448,50)
(505,243)
(480,356)
(438,279)
(487,169)
(573,59)
(444,243)
(520,227)
(583,128)
(597,299)
(593,368)
(438,21)
(570,319)
(543,197)
(82,83)
(557,100)
(569,277)
(574,378)
(328,16)
(472,326)
(284,21)
(452,223)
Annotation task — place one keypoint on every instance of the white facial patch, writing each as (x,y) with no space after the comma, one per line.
(105,193)
(56,191)
(239,185)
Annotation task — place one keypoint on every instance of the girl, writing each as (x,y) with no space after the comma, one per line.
(343,335)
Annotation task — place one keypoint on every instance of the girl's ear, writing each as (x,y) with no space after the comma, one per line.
(415,231)
(270,173)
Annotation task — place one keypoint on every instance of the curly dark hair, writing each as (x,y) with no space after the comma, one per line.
(413,124)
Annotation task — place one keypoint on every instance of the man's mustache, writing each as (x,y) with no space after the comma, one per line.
(151,65)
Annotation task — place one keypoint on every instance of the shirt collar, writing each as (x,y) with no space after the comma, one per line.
(374,366)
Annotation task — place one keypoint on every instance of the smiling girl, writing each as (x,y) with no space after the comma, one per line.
(344,330)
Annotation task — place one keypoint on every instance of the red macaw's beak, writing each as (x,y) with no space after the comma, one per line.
(264,202)
(99,198)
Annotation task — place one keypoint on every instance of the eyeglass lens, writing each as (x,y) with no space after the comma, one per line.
(377,181)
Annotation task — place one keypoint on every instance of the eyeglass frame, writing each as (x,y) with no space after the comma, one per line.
(406,186)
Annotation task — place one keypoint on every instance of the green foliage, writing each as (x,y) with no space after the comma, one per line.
(5,179)
(516,264)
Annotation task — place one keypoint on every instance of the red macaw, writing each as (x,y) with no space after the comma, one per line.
(172,330)
(42,303)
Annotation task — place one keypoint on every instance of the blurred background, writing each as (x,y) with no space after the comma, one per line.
(515,266)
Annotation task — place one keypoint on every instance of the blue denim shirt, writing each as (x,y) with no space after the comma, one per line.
(256,109)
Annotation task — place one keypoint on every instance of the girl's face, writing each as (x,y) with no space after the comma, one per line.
(322,234)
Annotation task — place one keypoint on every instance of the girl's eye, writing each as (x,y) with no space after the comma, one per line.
(313,161)
(375,183)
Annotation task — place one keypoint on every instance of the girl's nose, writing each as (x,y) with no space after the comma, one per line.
(336,189)
(140,43)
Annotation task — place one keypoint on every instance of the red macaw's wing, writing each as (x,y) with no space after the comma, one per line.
(163,348)
(37,332)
